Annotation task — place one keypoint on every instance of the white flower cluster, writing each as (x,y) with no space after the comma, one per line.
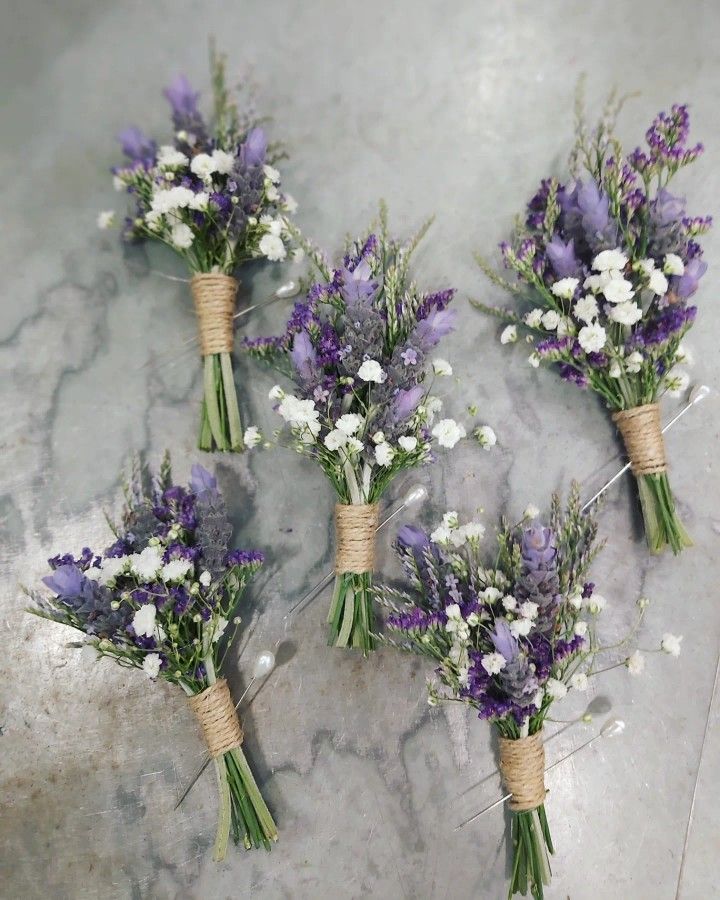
(451,533)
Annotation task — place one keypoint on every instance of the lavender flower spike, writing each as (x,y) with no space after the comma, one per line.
(181,96)
(254,149)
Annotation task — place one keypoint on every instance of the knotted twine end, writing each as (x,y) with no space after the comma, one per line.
(214,297)
(642,433)
(522,766)
(218,719)
(355,526)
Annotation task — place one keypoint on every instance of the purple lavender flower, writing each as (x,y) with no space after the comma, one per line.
(358,285)
(303,355)
(503,640)
(136,146)
(438,324)
(538,548)
(181,96)
(244,558)
(254,149)
(405,403)
(66,581)
(686,284)
(562,257)
(202,482)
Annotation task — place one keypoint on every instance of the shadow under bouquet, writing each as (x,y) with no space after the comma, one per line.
(611,260)
(162,599)
(359,351)
(212,195)
(508,637)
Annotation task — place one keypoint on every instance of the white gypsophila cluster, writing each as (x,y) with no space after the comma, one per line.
(452,534)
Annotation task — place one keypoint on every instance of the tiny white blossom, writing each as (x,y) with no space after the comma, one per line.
(169,157)
(448,432)
(272,247)
(276,392)
(670,643)
(586,309)
(110,568)
(609,259)
(151,665)
(271,174)
(335,439)
(676,382)
(576,599)
(441,535)
(408,442)
(147,564)
(646,266)
(529,609)
(486,437)
(117,183)
(493,663)
(291,206)
(538,698)
(474,531)
(533,318)
(353,445)
(384,454)
(615,370)
(565,327)
(106,219)
(442,367)
(658,283)
(580,628)
(219,630)
(555,688)
(596,603)
(684,355)
(182,236)
(378,437)
(509,334)
(349,423)
(635,663)
(252,436)
(143,621)
(534,360)
(633,362)
(205,579)
(531,511)
(579,681)
(176,569)
(551,319)
(565,288)
(371,370)
(618,290)
(509,602)
(673,265)
(592,338)
(203,165)
(521,627)
(200,201)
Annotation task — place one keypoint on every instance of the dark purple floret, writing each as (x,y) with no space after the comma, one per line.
(244,558)
(573,375)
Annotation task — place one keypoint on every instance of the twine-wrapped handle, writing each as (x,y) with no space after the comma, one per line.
(214,297)
(522,766)
(355,527)
(641,430)
(218,719)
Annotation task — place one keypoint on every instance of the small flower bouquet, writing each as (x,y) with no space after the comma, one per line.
(509,635)
(359,352)
(212,195)
(611,260)
(160,599)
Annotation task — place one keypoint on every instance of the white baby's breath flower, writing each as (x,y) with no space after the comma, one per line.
(335,439)
(441,535)
(276,392)
(493,663)
(580,628)
(531,511)
(633,362)
(442,367)
(615,370)
(635,663)
(109,569)
(143,620)
(485,436)
(349,423)
(106,219)
(509,602)
(670,643)
(272,247)
(521,627)
(408,442)
(646,266)
(592,338)
(200,201)
(539,697)
(219,630)
(147,564)
(252,436)
(353,445)
(676,382)
(586,309)
(596,603)
(371,370)
(576,599)
(533,318)
(378,437)
(205,579)
(176,569)
(272,174)
(609,259)
(118,183)
(658,283)
(673,265)
(509,334)
(448,432)
(170,158)
(474,531)
(579,681)
(182,236)
(618,290)
(534,360)
(555,688)
(384,454)
(528,609)
(551,319)
(203,165)
(291,205)
(224,162)
(565,288)
(151,665)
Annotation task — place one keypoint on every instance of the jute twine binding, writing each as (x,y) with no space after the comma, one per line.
(522,765)
(216,714)
(641,431)
(355,526)
(214,297)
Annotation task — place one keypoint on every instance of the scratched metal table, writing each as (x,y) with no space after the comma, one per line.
(455,109)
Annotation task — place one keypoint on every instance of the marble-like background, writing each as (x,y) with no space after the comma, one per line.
(449,108)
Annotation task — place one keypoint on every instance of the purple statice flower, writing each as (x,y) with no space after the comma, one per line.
(415,619)
(182,599)
(136,146)
(596,360)
(538,205)
(121,547)
(562,257)
(553,345)
(686,284)
(82,561)
(588,589)
(573,375)
(303,355)
(430,331)
(254,150)
(437,300)
(244,558)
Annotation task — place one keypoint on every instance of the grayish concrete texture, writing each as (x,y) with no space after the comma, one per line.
(449,108)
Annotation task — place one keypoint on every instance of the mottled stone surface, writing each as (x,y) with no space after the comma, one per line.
(455,109)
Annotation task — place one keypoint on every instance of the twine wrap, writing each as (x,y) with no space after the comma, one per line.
(355,526)
(216,714)
(214,297)
(522,766)
(641,431)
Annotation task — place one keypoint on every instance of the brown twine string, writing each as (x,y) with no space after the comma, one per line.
(218,719)
(522,766)
(214,297)
(355,526)
(640,428)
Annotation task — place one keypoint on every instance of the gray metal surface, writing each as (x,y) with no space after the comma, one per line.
(456,109)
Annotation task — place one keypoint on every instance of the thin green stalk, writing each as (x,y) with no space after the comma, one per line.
(231,402)
(211,402)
